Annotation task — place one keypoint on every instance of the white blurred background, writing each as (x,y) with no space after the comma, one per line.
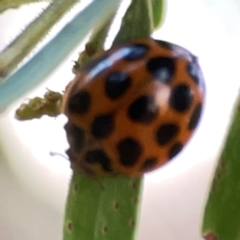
(33,185)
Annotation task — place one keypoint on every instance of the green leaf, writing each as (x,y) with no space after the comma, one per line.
(158,7)
(141,18)
(102,209)
(222,213)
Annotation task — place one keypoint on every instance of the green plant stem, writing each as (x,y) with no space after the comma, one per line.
(157,9)
(102,209)
(137,22)
(222,212)
(32,35)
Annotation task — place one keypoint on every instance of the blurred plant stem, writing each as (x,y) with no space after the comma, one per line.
(31,74)
(222,212)
(23,44)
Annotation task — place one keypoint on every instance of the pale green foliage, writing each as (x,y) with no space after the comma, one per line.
(29,76)
(8,4)
(32,35)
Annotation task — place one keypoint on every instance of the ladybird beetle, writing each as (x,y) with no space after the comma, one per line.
(133,108)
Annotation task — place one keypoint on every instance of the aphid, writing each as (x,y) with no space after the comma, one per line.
(38,107)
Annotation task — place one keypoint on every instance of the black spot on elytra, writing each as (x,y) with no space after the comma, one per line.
(116,84)
(149,164)
(175,149)
(166,132)
(129,151)
(143,109)
(194,119)
(102,126)
(100,157)
(76,136)
(137,51)
(80,102)
(162,68)
(181,98)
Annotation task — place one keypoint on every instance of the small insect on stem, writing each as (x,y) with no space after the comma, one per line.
(139,103)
